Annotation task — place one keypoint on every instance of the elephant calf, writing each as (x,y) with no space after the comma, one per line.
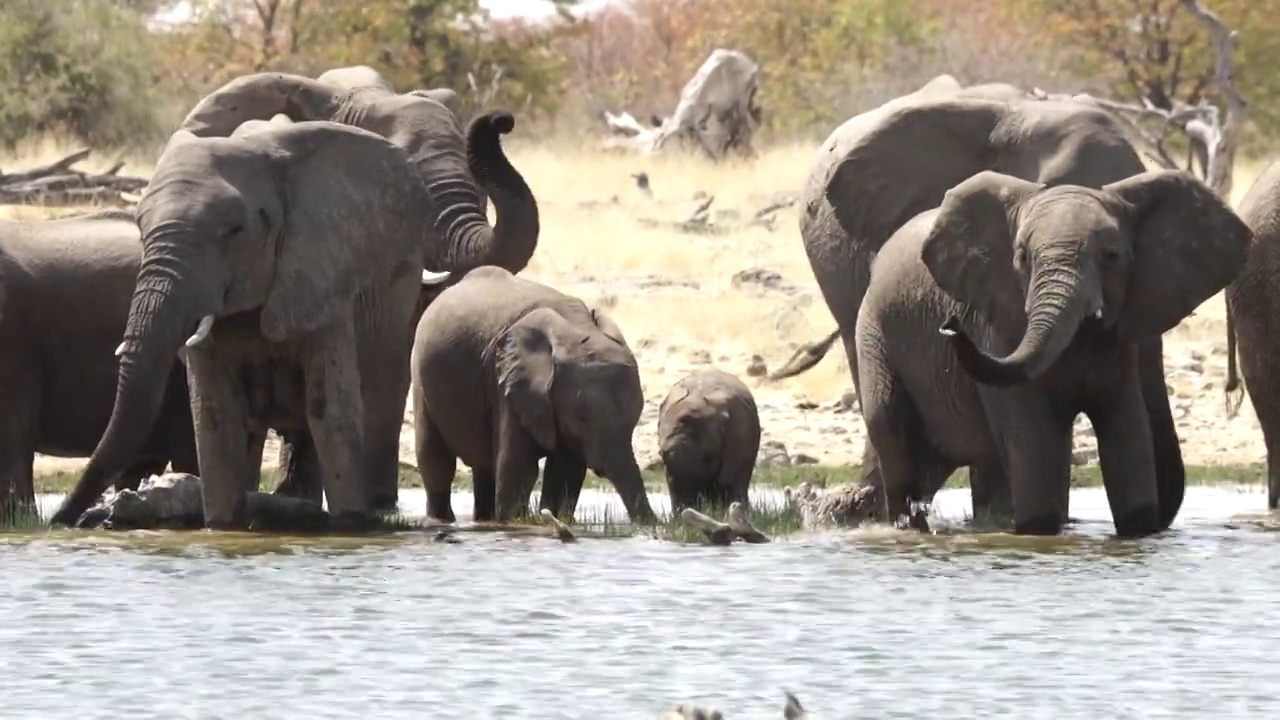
(507,371)
(708,437)
(1061,284)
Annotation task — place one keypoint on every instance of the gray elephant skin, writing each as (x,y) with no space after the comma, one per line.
(65,286)
(885,166)
(1253,318)
(1044,293)
(289,260)
(708,438)
(363,76)
(507,371)
(458,170)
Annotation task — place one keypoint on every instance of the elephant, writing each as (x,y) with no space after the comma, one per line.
(459,171)
(362,76)
(883,167)
(1044,293)
(708,439)
(65,286)
(1253,307)
(287,262)
(507,371)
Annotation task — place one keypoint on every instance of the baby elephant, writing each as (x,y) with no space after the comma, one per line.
(507,371)
(708,437)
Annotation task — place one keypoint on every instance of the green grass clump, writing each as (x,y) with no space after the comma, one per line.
(20,517)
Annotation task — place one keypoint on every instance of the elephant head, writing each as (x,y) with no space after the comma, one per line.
(445,96)
(578,388)
(290,222)
(898,160)
(356,76)
(1134,258)
(459,170)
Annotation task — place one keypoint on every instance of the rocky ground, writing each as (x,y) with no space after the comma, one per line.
(697,278)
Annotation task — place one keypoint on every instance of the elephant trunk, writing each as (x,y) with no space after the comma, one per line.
(515,234)
(1056,308)
(160,318)
(625,475)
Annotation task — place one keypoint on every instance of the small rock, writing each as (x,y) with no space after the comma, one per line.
(700,357)
(848,402)
(763,278)
(757,367)
(773,453)
(803,459)
(806,405)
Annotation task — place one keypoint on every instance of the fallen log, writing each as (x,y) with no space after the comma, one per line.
(58,184)
(724,533)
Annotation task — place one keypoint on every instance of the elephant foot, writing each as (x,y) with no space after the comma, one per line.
(385,503)
(1043,525)
(352,522)
(440,506)
(1139,523)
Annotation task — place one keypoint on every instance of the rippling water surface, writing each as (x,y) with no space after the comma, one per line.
(869,623)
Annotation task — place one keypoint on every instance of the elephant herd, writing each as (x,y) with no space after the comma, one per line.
(309,252)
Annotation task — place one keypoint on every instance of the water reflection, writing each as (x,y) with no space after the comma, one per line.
(869,623)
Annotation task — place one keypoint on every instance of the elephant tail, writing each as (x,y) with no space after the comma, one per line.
(806,357)
(1234,391)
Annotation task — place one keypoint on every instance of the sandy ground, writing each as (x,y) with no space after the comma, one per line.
(733,290)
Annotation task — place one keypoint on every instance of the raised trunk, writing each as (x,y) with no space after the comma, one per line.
(515,233)
(1057,307)
(159,321)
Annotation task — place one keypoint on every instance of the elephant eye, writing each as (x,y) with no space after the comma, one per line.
(1020,255)
(235,230)
(1110,256)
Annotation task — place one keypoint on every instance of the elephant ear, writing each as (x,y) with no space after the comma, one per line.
(1187,245)
(907,157)
(352,219)
(526,369)
(608,326)
(969,248)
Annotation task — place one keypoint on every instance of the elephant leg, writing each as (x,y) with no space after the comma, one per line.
(436,464)
(299,468)
(517,467)
(1035,449)
(220,413)
(1128,464)
(19,420)
(890,417)
(139,470)
(384,420)
(1171,473)
(257,442)
(562,479)
(484,486)
(991,495)
(335,417)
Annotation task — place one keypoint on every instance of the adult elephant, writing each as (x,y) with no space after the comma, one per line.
(289,260)
(65,286)
(1044,293)
(507,371)
(1253,318)
(881,168)
(458,170)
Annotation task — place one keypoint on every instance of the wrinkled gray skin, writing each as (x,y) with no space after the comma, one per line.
(883,167)
(294,288)
(1253,304)
(1044,294)
(65,286)
(507,371)
(708,438)
(458,171)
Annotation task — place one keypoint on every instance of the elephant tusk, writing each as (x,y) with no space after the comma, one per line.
(430,277)
(120,349)
(202,331)
(1098,314)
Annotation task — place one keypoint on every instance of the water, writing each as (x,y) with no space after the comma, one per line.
(869,623)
